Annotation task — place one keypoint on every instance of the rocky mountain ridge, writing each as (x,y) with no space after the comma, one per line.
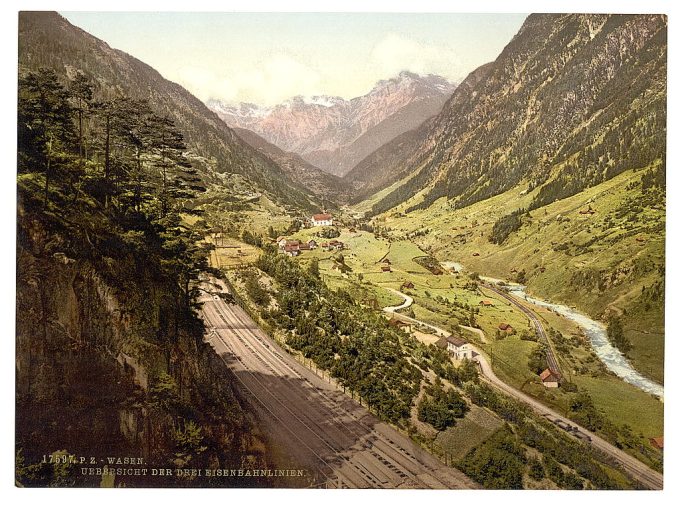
(571,101)
(335,134)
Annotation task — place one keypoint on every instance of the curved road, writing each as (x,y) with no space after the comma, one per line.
(408,301)
(633,467)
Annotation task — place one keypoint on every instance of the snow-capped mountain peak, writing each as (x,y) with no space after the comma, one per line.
(323,129)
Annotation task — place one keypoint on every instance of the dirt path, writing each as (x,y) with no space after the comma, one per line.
(479,332)
(408,301)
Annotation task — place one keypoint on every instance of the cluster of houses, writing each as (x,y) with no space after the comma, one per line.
(295,247)
(333,245)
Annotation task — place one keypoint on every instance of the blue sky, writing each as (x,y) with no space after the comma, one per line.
(268,57)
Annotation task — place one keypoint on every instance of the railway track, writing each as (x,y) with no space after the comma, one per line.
(553,364)
(323,428)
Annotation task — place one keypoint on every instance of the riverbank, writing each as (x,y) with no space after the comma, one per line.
(596,332)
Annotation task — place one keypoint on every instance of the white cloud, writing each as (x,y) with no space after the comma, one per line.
(274,80)
(276,77)
(395,53)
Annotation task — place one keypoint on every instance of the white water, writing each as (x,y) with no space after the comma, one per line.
(612,358)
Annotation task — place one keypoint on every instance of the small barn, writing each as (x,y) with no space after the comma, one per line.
(657,442)
(549,378)
(292,249)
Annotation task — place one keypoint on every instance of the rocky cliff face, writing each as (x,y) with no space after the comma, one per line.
(335,134)
(94,379)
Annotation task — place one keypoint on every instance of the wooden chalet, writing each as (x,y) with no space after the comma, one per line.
(549,378)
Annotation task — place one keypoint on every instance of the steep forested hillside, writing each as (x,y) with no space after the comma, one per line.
(550,170)
(48,40)
(110,358)
(573,100)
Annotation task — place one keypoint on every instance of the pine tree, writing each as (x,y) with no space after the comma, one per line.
(44,124)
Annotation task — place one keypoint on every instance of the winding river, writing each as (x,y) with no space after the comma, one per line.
(596,332)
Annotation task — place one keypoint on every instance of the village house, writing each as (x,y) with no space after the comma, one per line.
(400,325)
(407,285)
(506,327)
(459,347)
(386,268)
(292,249)
(282,241)
(486,303)
(333,245)
(657,442)
(322,220)
(312,244)
(549,378)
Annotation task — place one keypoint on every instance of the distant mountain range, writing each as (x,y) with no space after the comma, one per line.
(335,134)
